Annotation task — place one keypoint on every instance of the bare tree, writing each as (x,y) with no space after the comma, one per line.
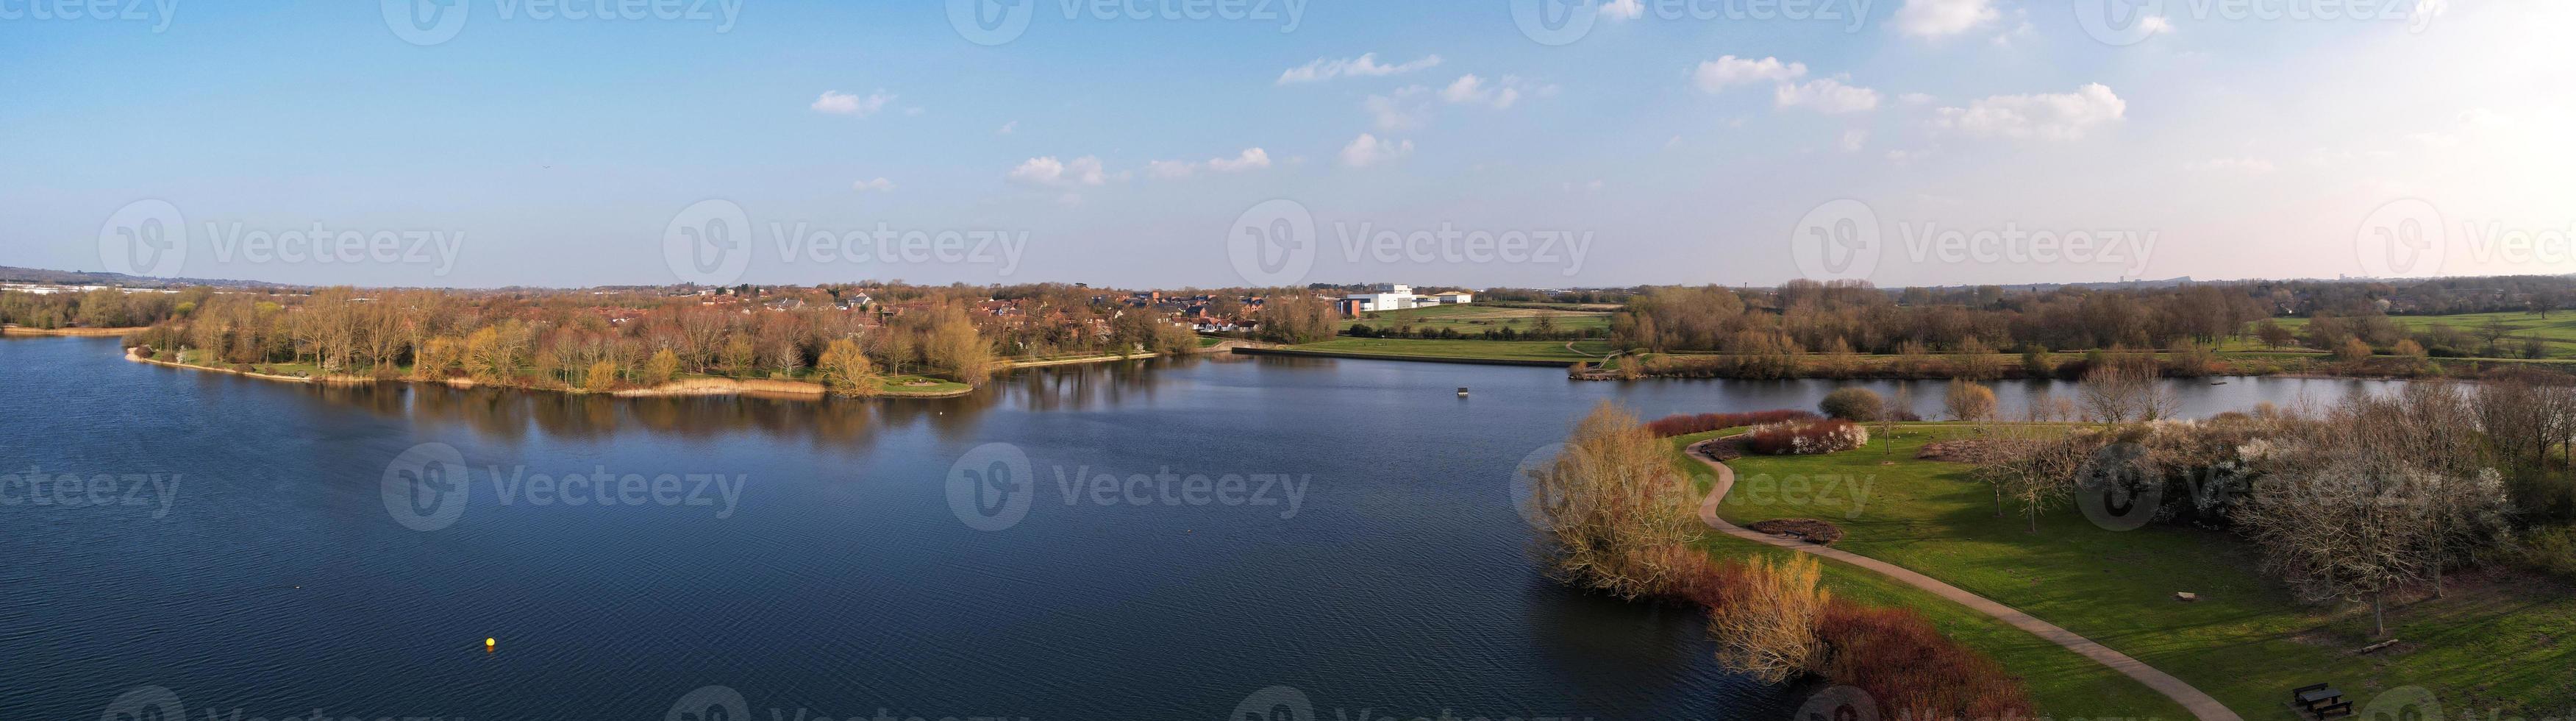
(2124,391)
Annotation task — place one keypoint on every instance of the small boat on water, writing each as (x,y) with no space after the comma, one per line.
(1462,391)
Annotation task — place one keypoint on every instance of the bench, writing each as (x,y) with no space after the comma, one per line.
(2321,700)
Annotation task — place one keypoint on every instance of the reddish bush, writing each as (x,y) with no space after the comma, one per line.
(1894,654)
(1685,424)
(1805,437)
(1911,669)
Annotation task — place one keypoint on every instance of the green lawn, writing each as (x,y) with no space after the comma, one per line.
(1479,318)
(1546,350)
(2558,331)
(2488,646)
(903,386)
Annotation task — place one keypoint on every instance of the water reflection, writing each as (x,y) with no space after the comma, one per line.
(501,414)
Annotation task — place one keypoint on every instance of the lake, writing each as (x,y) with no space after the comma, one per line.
(1196,539)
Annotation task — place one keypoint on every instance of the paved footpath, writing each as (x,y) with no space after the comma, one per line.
(2200,704)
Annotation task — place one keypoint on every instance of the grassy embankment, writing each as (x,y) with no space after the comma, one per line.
(1472,319)
(2557,332)
(2235,357)
(1459,350)
(2486,646)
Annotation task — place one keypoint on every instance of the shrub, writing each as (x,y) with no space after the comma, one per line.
(602,376)
(1764,617)
(1683,424)
(1969,401)
(1910,668)
(2550,550)
(1806,437)
(1852,404)
(1610,510)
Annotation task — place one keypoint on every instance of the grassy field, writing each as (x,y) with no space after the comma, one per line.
(2062,683)
(2557,332)
(913,385)
(1478,318)
(2491,644)
(1546,350)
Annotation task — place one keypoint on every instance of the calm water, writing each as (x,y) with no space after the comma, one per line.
(257,564)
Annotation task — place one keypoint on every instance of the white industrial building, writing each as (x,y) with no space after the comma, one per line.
(1398,296)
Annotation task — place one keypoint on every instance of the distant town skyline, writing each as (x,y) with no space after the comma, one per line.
(1529,144)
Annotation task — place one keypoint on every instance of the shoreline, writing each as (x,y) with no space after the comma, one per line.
(1294,352)
(15,329)
(768,388)
(2002,367)
(684,387)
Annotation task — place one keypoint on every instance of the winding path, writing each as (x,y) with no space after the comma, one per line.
(2200,704)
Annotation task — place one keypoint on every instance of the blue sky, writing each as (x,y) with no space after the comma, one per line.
(1129,147)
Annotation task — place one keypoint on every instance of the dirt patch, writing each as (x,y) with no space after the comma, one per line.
(1805,529)
(1973,451)
(1723,449)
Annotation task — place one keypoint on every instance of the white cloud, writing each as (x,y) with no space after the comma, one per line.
(1939,18)
(1472,89)
(2484,119)
(2155,25)
(2049,116)
(879,184)
(1826,95)
(2247,166)
(1729,70)
(1364,66)
(1854,139)
(1047,171)
(1404,109)
(1008,127)
(1367,150)
(834,102)
(1623,9)
(1249,160)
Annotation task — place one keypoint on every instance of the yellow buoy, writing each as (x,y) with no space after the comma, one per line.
(487,644)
